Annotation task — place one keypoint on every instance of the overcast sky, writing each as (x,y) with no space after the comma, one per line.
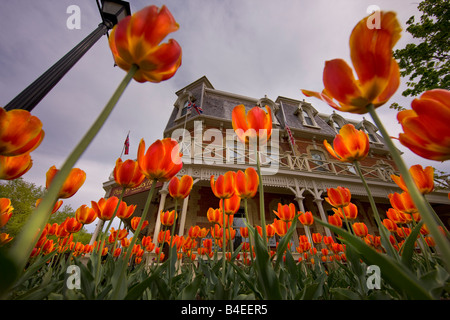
(253,48)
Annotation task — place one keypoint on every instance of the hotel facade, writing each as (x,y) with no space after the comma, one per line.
(296,167)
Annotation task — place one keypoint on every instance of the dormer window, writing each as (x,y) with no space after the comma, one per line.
(186,108)
(337,126)
(306,113)
(307,118)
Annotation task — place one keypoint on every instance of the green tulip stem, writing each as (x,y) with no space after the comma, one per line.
(29,235)
(443,245)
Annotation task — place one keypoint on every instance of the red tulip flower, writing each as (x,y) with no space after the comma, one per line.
(377,70)
(423,178)
(20,132)
(247,183)
(338,197)
(350,145)
(14,167)
(127,174)
(73,182)
(180,188)
(136,39)
(162,160)
(426,129)
(256,123)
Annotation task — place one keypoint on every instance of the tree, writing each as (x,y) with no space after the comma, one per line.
(23,196)
(427,62)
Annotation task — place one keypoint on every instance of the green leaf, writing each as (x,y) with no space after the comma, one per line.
(266,276)
(87,281)
(248,280)
(190,291)
(393,272)
(285,241)
(344,294)
(136,292)
(408,246)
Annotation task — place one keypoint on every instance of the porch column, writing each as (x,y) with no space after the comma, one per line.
(183,216)
(318,201)
(162,203)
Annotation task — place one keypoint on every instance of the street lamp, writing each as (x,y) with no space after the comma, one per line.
(111,11)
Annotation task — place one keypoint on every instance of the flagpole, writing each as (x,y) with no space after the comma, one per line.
(123,148)
(286,128)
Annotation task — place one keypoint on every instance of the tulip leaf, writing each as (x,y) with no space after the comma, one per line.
(136,292)
(393,272)
(344,294)
(246,279)
(266,276)
(282,245)
(408,246)
(190,291)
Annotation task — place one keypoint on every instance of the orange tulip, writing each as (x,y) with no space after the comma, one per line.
(5,238)
(228,220)
(194,231)
(247,183)
(207,243)
(56,206)
(117,252)
(317,237)
(135,40)
(377,71)
(390,225)
(72,225)
(20,132)
(360,229)
(231,205)
(244,232)
(135,222)
(430,241)
(127,174)
(338,197)
(306,218)
(285,212)
(168,217)
(180,188)
(48,247)
(335,220)
(256,123)
(6,210)
(224,186)
(270,231)
(281,227)
(164,236)
(105,208)
(214,215)
(402,202)
(162,160)
(85,215)
(423,178)
(349,144)
(14,167)
(124,211)
(73,182)
(426,129)
(350,211)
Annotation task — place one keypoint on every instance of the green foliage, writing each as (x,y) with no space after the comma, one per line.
(23,196)
(426,62)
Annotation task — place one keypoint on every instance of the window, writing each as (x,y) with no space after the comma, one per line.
(371,136)
(319,160)
(185,108)
(238,222)
(307,119)
(337,126)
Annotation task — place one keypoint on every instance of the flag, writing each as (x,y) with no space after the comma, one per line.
(291,136)
(127,144)
(196,108)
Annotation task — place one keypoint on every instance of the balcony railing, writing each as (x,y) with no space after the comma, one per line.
(217,155)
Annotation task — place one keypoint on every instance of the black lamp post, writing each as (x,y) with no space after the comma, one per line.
(111,11)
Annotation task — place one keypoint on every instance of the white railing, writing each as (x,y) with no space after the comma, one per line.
(217,155)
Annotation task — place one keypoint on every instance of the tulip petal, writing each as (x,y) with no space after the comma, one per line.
(339,81)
